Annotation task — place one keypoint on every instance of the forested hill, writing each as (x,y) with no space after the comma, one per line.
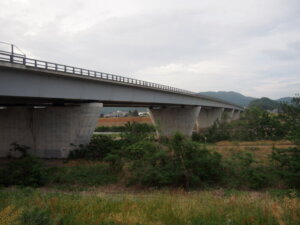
(230,96)
(246,101)
(265,103)
(285,99)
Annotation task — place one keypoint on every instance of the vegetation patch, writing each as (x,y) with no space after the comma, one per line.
(156,208)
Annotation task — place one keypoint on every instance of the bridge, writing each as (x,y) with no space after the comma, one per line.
(48,106)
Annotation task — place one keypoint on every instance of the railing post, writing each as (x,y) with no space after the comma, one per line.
(24,61)
(12,54)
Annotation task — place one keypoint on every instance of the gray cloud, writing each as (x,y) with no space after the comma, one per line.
(247,46)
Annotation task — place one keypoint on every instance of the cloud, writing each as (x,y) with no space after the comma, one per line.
(247,46)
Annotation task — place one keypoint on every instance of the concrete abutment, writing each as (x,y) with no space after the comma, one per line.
(49,131)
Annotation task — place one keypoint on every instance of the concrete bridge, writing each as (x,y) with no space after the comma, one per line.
(48,106)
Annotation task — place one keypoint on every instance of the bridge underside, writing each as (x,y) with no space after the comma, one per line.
(29,101)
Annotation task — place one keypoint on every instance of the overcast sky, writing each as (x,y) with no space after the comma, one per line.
(248,46)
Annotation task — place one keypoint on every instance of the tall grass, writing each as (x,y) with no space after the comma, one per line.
(210,208)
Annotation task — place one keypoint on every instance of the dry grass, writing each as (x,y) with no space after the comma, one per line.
(9,215)
(120,121)
(157,208)
(260,149)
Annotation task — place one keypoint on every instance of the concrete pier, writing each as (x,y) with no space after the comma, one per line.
(169,120)
(48,131)
(228,115)
(236,115)
(208,116)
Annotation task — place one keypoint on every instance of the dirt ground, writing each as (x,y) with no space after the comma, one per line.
(119,121)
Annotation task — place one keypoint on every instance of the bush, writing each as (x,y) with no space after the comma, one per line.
(287,163)
(149,165)
(180,162)
(219,131)
(26,171)
(105,147)
(255,124)
(291,119)
(135,132)
(194,163)
(97,149)
(243,171)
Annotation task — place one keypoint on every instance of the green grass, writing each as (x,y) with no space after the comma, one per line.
(82,175)
(207,207)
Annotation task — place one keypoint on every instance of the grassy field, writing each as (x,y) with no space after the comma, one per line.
(87,192)
(32,206)
(260,149)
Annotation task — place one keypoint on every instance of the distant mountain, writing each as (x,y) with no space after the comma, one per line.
(265,103)
(285,99)
(230,96)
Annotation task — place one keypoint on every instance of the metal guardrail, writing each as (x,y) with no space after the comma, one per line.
(21,59)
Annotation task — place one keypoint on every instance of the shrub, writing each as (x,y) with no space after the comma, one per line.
(135,132)
(255,124)
(115,159)
(179,162)
(243,171)
(105,147)
(148,164)
(194,163)
(219,131)
(287,163)
(97,149)
(291,119)
(26,171)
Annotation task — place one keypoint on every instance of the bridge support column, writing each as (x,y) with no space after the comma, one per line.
(172,119)
(229,113)
(236,115)
(208,116)
(48,131)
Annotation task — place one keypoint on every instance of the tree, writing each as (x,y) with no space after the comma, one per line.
(135,113)
(291,119)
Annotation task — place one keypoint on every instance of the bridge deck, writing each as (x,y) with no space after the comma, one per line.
(16,63)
